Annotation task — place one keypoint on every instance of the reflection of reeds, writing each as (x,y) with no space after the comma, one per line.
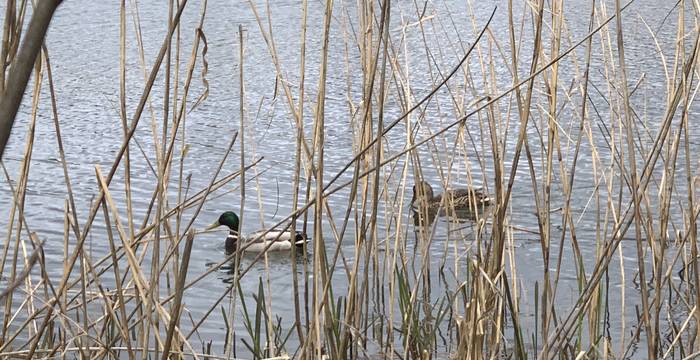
(407,291)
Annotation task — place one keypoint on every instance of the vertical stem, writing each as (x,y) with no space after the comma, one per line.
(319,264)
(22,67)
(297,175)
(629,125)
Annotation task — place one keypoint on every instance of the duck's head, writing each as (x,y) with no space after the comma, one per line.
(228,218)
(423,190)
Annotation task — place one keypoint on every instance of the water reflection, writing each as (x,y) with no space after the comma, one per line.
(426,217)
(276,263)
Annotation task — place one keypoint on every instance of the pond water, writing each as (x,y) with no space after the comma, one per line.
(83,44)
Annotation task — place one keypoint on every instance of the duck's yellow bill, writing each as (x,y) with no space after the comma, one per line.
(212,226)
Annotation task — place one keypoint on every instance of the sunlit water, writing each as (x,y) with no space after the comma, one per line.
(84,47)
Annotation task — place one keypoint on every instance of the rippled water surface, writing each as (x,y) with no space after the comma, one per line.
(83,44)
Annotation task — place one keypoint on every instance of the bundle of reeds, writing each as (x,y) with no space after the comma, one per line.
(577,144)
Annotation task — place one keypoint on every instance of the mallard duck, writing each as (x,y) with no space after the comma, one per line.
(468,199)
(281,240)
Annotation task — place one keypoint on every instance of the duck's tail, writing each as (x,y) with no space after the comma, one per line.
(300,239)
(480,196)
(486,200)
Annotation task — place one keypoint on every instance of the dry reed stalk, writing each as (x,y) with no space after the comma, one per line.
(651,343)
(191,202)
(309,166)
(299,138)
(7,37)
(81,240)
(100,350)
(319,261)
(122,113)
(21,66)
(269,41)
(19,279)
(622,226)
(158,195)
(183,145)
(119,288)
(138,274)
(18,203)
(179,291)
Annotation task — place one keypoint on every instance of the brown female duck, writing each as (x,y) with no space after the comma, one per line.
(470,199)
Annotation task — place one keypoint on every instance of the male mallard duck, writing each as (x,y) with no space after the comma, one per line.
(468,199)
(282,240)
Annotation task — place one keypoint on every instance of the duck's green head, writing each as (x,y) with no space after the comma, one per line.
(228,218)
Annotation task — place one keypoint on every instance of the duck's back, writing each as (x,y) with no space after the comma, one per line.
(466,197)
(275,235)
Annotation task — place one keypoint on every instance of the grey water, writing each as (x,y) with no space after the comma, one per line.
(83,43)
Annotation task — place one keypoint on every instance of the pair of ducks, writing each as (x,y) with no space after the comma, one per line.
(469,199)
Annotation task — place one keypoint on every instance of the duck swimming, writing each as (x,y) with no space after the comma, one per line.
(273,240)
(470,199)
